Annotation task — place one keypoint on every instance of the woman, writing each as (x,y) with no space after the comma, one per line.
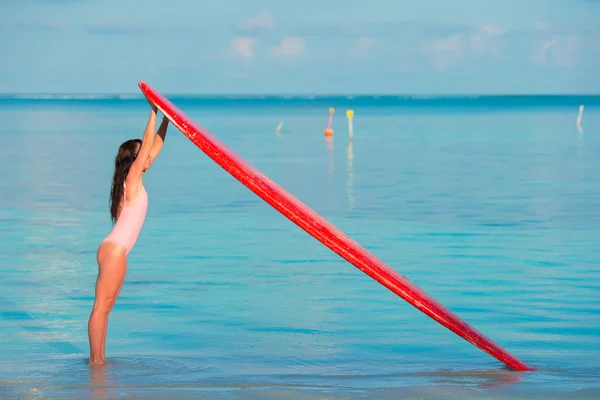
(128,204)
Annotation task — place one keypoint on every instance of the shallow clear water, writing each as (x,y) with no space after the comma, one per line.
(492,210)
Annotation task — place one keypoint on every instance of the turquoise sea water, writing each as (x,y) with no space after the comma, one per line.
(488,204)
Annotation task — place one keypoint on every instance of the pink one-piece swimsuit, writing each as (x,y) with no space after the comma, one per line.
(128,225)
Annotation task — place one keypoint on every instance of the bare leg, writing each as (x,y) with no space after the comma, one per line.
(111,306)
(112,266)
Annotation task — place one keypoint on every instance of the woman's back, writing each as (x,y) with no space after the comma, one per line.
(130,221)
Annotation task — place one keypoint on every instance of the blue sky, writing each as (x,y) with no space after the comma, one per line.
(309,46)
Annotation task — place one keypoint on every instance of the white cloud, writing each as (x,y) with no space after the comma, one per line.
(487,39)
(477,43)
(449,44)
(539,53)
(492,29)
(541,26)
(567,51)
(264,21)
(290,46)
(365,43)
(243,46)
(444,51)
(561,52)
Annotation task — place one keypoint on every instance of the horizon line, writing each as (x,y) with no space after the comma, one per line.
(417,95)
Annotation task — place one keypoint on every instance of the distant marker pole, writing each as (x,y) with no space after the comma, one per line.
(350,115)
(580,116)
(278,129)
(329,130)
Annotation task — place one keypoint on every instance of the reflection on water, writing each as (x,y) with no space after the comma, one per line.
(350,181)
(481,379)
(330,170)
(329,147)
(99,382)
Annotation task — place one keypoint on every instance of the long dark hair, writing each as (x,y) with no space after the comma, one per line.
(127,154)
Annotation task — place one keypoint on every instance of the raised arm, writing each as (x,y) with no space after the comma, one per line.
(137,168)
(159,140)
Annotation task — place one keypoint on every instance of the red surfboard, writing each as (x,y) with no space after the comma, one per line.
(323,231)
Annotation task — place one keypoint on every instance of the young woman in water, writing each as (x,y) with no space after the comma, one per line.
(128,203)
